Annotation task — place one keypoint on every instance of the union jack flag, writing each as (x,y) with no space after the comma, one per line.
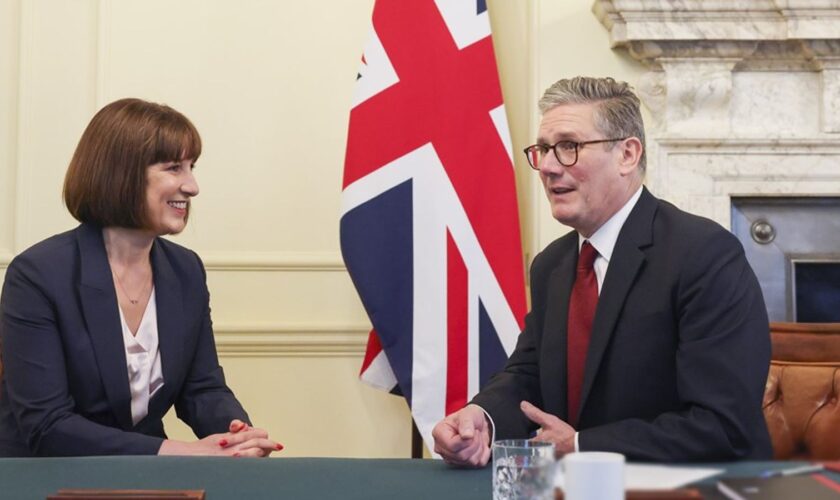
(429,227)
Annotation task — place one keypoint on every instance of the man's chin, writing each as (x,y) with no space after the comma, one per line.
(563,216)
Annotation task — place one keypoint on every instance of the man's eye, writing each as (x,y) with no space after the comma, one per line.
(567,145)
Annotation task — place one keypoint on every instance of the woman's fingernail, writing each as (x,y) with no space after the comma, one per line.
(223,442)
(236,454)
(279,447)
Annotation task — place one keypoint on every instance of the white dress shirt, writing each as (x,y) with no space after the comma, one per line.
(142,356)
(606,236)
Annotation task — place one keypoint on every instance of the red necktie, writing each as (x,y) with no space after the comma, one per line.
(581,313)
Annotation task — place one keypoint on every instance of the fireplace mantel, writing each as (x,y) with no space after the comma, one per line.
(743,96)
(667,21)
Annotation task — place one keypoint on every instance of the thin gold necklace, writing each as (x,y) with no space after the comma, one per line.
(133,301)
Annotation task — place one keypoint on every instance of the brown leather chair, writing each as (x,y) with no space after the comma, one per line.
(801,396)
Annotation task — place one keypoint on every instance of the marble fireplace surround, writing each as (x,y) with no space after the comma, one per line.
(743,95)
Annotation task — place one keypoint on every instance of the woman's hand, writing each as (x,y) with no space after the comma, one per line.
(242,441)
(247,441)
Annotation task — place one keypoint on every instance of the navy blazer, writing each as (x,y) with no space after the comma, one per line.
(65,389)
(679,350)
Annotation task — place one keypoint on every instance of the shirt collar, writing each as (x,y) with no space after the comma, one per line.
(605,237)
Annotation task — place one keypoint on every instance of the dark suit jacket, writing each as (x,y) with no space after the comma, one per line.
(65,388)
(679,352)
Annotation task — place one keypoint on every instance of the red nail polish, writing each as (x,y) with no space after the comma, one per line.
(223,442)
(279,447)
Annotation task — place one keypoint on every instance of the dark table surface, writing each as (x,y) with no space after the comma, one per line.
(222,478)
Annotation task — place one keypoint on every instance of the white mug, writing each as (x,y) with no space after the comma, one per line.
(593,475)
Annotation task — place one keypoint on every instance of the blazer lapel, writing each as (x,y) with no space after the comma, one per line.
(627,260)
(101,311)
(170,321)
(555,331)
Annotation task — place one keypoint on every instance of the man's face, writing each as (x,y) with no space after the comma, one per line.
(587,194)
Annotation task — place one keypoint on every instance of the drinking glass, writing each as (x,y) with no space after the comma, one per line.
(523,469)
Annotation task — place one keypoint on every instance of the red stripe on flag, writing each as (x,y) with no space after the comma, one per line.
(456,328)
(374,347)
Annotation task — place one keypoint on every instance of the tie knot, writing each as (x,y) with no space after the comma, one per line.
(587,257)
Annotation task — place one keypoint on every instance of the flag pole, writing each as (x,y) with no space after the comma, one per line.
(416,441)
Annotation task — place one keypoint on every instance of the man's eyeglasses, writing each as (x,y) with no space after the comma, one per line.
(566,152)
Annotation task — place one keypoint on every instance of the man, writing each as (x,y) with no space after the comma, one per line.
(655,342)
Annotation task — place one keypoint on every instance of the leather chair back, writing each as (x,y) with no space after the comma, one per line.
(801,396)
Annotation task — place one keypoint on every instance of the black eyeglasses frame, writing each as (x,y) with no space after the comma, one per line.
(553,147)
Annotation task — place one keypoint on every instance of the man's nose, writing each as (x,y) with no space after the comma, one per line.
(550,166)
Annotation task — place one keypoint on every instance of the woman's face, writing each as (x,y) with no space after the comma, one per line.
(170,187)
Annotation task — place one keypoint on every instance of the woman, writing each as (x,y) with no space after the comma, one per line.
(105,327)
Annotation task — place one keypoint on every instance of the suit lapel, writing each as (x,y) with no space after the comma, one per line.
(627,260)
(170,321)
(555,330)
(101,311)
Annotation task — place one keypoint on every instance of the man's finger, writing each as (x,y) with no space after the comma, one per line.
(477,458)
(452,444)
(466,427)
(466,454)
(535,415)
(485,457)
(454,456)
(444,430)
(457,450)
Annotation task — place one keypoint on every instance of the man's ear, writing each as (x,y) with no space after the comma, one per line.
(631,154)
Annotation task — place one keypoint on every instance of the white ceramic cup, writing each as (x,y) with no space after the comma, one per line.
(593,475)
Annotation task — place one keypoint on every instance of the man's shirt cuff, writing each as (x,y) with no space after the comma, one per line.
(492,426)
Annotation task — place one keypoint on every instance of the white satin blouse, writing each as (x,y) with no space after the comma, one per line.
(142,356)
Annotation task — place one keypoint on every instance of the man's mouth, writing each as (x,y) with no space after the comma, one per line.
(560,190)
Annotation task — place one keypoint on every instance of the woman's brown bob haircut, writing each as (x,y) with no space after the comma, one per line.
(106,180)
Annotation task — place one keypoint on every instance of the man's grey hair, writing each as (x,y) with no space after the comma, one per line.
(617,113)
